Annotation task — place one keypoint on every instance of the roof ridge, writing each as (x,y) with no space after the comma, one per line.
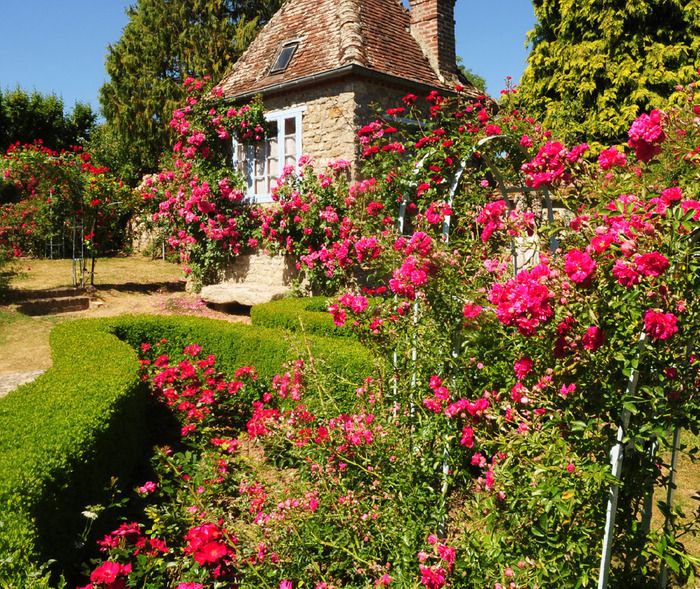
(352,45)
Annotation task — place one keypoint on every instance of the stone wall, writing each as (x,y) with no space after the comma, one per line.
(272,271)
(370,94)
(251,280)
(335,112)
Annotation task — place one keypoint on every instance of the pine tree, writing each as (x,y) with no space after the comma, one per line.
(597,64)
(164,42)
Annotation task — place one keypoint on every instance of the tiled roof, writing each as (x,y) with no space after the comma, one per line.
(332,34)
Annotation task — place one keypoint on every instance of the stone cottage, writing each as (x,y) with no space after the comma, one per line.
(319,65)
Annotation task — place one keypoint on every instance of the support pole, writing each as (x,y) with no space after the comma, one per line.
(616,456)
(663,575)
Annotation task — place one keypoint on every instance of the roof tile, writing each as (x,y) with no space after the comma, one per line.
(374,34)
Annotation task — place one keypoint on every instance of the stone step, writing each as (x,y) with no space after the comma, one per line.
(252,279)
(51,306)
(18,295)
(243,293)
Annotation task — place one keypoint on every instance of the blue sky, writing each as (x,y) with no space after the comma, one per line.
(59,46)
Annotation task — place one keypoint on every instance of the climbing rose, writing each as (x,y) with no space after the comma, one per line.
(671,195)
(523,367)
(471,310)
(660,325)
(646,135)
(579,266)
(432,577)
(524,301)
(412,273)
(625,274)
(651,264)
(593,338)
(610,158)
(491,217)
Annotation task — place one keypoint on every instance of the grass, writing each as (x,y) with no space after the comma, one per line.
(133,284)
(688,488)
(119,273)
(121,285)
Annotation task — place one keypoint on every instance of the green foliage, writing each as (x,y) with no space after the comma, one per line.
(53,192)
(595,65)
(62,438)
(471,76)
(26,118)
(306,315)
(240,345)
(164,43)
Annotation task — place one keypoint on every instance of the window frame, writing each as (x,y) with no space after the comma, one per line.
(293,45)
(247,166)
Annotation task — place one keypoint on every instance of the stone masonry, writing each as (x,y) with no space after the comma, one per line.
(251,280)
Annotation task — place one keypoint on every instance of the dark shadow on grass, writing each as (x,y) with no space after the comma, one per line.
(230,308)
(141,288)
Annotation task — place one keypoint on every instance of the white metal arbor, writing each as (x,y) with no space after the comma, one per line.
(501,157)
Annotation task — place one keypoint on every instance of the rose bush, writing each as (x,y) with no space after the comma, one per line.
(196,198)
(520,341)
(57,193)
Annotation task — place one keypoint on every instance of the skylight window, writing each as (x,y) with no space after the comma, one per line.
(284,57)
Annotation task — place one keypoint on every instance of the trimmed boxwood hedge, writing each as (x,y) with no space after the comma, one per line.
(61,439)
(84,421)
(309,315)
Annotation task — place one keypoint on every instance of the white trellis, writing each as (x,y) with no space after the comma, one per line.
(508,191)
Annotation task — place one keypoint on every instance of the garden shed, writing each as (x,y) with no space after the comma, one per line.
(320,67)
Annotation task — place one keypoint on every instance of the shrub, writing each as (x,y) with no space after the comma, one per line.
(309,315)
(267,349)
(62,438)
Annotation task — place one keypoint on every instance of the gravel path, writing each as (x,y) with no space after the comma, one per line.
(9,382)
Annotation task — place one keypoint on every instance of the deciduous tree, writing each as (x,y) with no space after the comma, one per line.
(28,117)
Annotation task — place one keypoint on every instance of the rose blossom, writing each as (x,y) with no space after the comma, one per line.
(646,135)
(660,325)
(579,266)
(593,338)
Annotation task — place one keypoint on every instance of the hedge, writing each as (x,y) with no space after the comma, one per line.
(234,344)
(308,315)
(85,420)
(62,437)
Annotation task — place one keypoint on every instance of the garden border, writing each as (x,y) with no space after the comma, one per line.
(63,436)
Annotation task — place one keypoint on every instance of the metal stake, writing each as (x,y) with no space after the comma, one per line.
(663,575)
(616,455)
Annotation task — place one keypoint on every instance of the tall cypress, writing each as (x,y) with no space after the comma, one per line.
(164,42)
(595,65)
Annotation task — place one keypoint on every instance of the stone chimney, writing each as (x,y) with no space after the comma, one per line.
(433,26)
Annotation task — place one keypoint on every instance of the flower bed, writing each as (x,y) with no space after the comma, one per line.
(64,436)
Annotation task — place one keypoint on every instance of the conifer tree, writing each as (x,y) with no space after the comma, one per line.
(596,64)
(164,42)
